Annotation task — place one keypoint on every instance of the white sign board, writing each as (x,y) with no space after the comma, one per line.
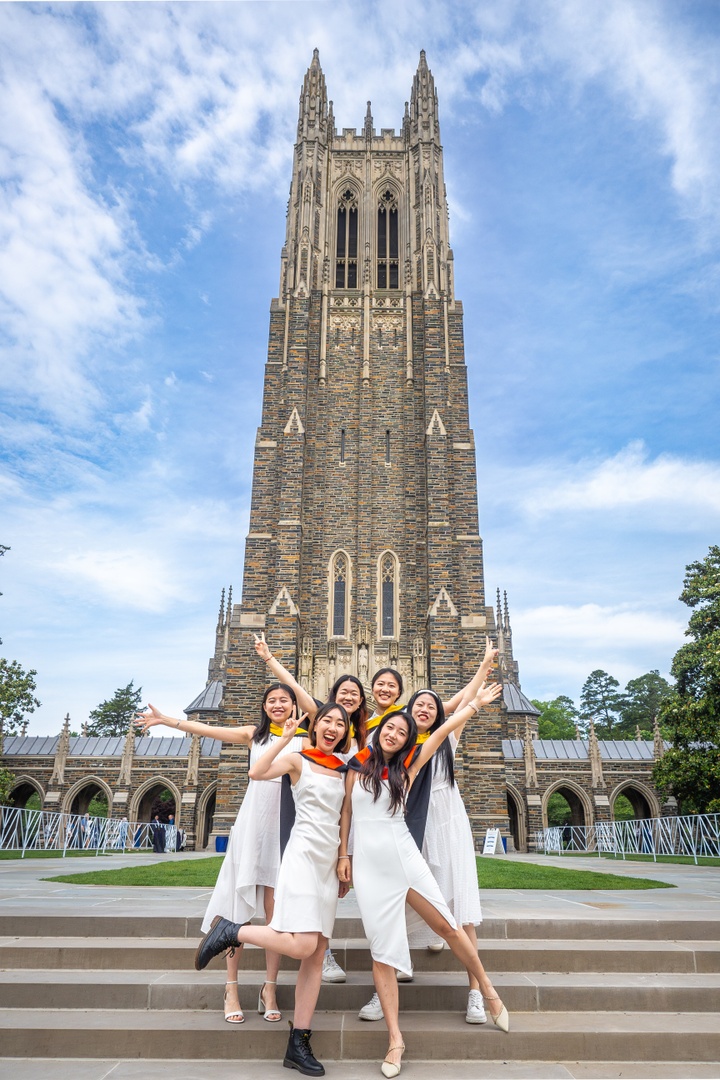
(493,843)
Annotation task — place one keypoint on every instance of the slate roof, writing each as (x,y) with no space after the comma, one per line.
(93,746)
(209,698)
(577,749)
(516,702)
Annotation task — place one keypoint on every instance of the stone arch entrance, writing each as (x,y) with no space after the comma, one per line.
(643,801)
(518,818)
(141,806)
(206,816)
(575,797)
(27,794)
(80,795)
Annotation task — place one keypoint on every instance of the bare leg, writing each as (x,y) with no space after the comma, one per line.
(232,1000)
(470,931)
(458,942)
(387,990)
(272,959)
(298,946)
(308,985)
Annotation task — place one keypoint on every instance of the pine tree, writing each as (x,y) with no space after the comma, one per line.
(690,769)
(642,703)
(113,717)
(601,702)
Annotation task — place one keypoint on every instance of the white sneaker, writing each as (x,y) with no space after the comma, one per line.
(402,976)
(437,946)
(332,972)
(475,1009)
(373,1010)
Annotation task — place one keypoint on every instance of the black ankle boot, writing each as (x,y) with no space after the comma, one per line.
(221,936)
(299,1053)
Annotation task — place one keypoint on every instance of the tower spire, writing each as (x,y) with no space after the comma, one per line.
(368,128)
(221,613)
(424,103)
(312,119)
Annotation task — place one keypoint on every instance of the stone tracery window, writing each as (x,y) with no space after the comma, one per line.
(387,241)
(340,578)
(388,595)
(346,244)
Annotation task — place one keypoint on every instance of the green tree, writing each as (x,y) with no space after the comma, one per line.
(113,717)
(690,769)
(17,697)
(7,783)
(558,718)
(642,702)
(601,702)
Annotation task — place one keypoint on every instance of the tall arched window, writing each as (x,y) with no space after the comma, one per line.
(340,579)
(347,242)
(387,241)
(388,595)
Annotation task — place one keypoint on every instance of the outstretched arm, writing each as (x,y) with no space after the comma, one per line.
(468,692)
(305,701)
(484,696)
(268,767)
(151,717)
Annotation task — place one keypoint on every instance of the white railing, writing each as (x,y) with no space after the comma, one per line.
(41,830)
(695,835)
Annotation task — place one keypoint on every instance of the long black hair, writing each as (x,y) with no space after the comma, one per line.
(374,766)
(343,746)
(443,756)
(358,718)
(389,671)
(262,731)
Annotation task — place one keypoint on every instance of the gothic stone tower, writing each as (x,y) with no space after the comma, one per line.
(363,548)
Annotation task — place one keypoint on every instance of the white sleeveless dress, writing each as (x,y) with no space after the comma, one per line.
(449,850)
(253,852)
(306,895)
(386,864)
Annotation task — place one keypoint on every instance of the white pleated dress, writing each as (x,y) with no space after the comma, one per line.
(306,895)
(386,864)
(449,850)
(252,860)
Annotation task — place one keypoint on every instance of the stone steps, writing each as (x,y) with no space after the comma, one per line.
(28,988)
(167,953)
(430,1036)
(122,987)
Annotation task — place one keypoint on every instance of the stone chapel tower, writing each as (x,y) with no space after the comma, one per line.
(363,549)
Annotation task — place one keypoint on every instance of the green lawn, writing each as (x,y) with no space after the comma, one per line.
(492,874)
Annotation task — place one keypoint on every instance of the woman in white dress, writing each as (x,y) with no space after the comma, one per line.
(249,871)
(388,869)
(307,889)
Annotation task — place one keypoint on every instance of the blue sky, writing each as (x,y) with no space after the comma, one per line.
(145,155)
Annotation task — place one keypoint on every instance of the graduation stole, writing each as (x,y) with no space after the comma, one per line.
(361,757)
(373,723)
(277,729)
(328,761)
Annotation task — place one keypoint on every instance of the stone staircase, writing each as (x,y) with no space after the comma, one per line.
(105,986)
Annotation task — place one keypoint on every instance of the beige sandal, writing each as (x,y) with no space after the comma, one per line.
(232,1016)
(389,1068)
(500,1020)
(273,1016)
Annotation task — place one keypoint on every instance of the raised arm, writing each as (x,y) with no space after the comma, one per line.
(306,703)
(152,717)
(268,767)
(484,696)
(468,692)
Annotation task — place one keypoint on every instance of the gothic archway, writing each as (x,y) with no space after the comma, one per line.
(81,794)
(581,812)
(518,818)
(205,817)
(27,793)
(643,801)
(141,804)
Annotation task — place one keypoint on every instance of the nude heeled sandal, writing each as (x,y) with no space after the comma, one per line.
(389,1068)
(232,1016)
(500,1020)
(273,1016)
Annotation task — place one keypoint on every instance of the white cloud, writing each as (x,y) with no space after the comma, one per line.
(680,493)
(128,577)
